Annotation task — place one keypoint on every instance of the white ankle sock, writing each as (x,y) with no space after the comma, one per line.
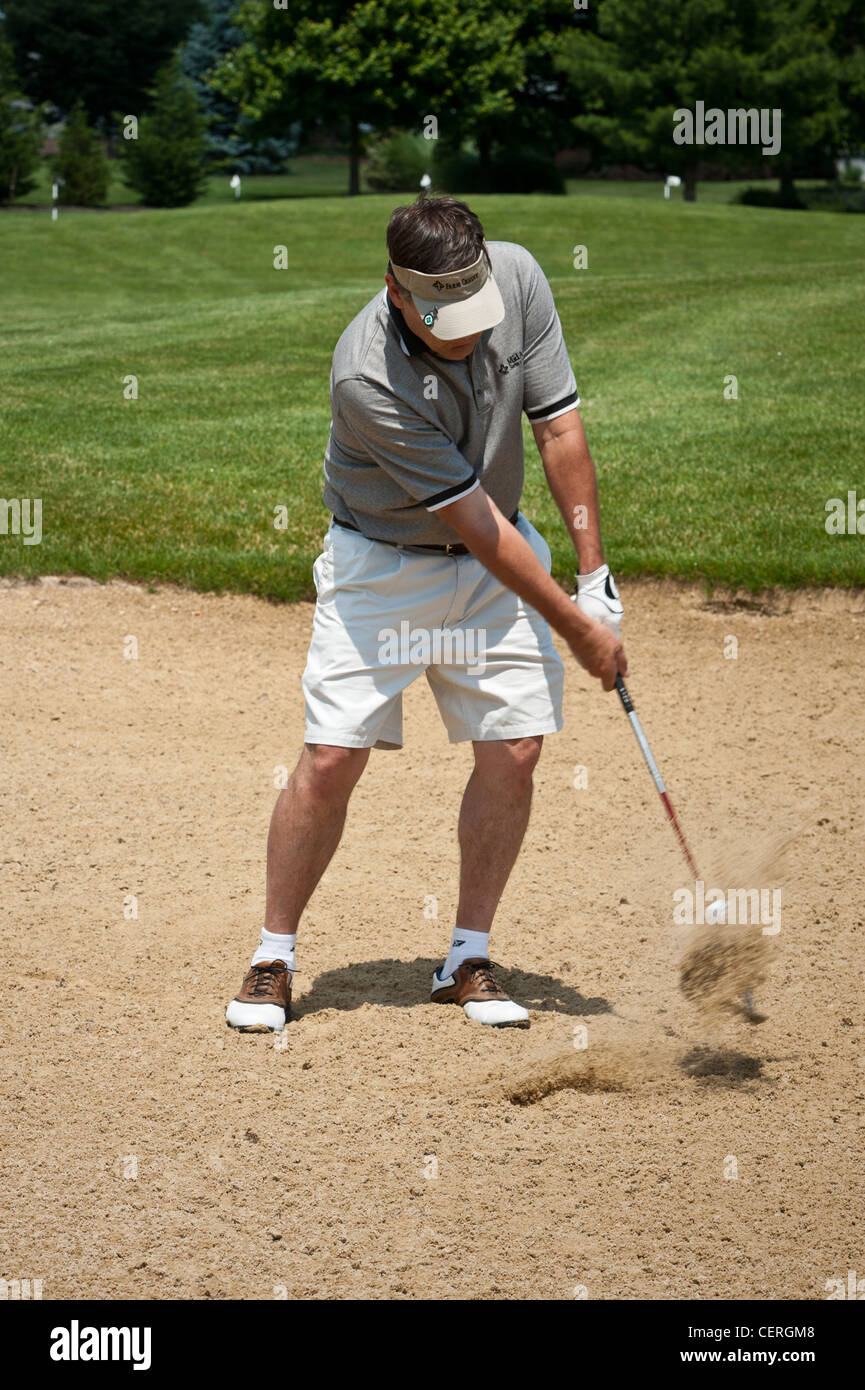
(275,946)
(465,945)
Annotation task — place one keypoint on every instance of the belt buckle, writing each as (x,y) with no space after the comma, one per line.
(449,549)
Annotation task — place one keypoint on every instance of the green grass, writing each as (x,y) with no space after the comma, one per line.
(315,176)
(309,176)
(716,191)
(233,357)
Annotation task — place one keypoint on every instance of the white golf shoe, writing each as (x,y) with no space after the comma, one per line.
(474,987)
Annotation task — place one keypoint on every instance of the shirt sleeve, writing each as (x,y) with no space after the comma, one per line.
(550,387)
(371,425)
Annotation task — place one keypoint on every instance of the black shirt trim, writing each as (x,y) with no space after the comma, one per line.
(557,406)
(450,491)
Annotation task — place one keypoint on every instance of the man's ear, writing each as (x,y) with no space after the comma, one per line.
(393,290)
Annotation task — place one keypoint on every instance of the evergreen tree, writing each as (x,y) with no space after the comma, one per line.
(80,166)
(847,20)
(232,140)
(166,163)
(651,58)
(102,52)
(20,132)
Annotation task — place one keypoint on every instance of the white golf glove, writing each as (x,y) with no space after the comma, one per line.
(598,597)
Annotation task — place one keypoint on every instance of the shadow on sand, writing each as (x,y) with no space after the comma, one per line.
(403,984)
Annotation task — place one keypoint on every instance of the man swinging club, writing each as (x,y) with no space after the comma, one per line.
(423,477)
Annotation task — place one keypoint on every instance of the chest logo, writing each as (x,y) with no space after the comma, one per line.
(515,360)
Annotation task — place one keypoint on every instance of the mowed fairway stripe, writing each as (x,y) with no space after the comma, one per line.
(232,359)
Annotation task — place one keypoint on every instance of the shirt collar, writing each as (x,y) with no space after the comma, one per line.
(410,343)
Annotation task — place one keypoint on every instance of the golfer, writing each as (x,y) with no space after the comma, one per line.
(429,565)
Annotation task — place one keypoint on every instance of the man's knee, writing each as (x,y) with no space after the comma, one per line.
(329,772)
(513,759)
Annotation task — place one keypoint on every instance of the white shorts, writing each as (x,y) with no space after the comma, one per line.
(385,614)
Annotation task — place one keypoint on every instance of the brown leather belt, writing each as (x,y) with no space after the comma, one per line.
(456,549)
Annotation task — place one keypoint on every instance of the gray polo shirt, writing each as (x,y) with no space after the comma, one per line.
(413,432)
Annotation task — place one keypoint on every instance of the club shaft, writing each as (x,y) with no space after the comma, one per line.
(653,768)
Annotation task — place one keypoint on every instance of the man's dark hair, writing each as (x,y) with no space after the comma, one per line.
(434,234)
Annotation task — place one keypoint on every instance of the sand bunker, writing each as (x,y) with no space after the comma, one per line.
(150,1153)
(604,1066)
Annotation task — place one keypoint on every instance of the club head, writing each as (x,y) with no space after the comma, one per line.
(748,1011)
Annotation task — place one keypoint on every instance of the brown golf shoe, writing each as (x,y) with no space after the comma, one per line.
(475,988)
(264,1002)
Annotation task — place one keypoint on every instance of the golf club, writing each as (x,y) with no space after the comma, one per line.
(646,751)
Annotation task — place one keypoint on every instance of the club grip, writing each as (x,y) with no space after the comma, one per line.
(624,696)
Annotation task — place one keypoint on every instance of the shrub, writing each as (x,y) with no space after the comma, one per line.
(457,171)
(524,172)
(166,163)
(836,197)
(20,133)
(769,198)
(79,165)
(397,161)
(517,171)
(572,164)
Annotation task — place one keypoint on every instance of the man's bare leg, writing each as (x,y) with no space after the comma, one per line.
(306,827)
(493,819)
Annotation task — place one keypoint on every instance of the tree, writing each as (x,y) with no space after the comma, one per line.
(79,164)
(166,162)
(231,137)
(652,58)
(847,21)
(321,59)
(800,74)
(492,78)
(103,52)
(384,63)
(470,66)
(20,132)
(544,106)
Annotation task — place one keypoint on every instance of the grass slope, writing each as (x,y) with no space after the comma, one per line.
(232,359)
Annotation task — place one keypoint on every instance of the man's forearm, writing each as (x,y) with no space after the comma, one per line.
(506,554)
(503,551)
(570,475)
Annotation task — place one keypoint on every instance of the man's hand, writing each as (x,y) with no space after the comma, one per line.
(506,554)
(598,597)
(601,653)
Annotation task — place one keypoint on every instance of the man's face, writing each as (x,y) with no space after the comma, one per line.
(454,351)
